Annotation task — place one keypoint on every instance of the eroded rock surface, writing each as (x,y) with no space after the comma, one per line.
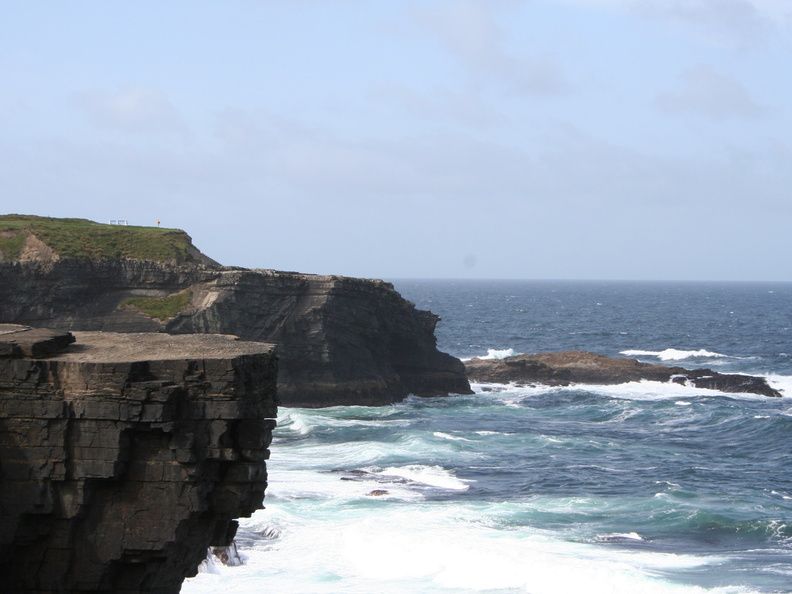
(340,340)
(561,369)
(123,458)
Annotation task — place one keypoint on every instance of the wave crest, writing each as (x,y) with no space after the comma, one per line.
(676,354)
(499,353)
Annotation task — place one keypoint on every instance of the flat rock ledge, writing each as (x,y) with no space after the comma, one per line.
(582,367)
(123,457)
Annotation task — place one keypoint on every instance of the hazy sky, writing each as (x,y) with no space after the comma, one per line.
(601,139)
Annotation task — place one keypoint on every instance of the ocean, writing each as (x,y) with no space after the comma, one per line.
(639,488)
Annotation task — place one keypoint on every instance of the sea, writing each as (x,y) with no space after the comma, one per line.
(638,488)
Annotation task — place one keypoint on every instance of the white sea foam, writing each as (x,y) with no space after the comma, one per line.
(676,354)
(621,536)
(449,436)
(782,383)
(651,390)
(435,548)
(339,486)
(488,387)
(293,422)
(433,476)
(499,354)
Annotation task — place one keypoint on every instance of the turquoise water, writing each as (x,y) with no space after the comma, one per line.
(645,487)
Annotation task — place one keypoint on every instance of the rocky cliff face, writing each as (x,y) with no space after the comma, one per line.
(340,340)
(124,458)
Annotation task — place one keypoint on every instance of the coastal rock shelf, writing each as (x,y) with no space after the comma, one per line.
(581,367)
(124,456)
(341,340)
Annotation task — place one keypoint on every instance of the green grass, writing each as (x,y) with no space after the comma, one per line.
(11,244)
(160,308)
(84,239)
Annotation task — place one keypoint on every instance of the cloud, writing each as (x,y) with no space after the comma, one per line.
(132,109)
(738,20)
(705,91)
(734,22)
(470,31)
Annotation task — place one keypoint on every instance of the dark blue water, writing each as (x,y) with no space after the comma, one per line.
(722,464)
(645,487)
(607,317)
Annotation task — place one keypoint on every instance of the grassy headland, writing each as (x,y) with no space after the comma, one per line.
(84,239)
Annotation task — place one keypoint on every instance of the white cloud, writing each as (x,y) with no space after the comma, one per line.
(737,20)
(132,109)
(705,91)
(725,21)
(470,31)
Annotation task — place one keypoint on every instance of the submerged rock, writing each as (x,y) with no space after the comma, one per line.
(582,367)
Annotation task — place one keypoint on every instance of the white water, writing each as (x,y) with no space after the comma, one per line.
(432,548)
(640,488)
(675,354)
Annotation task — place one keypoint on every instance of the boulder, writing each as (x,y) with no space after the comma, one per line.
(18,341)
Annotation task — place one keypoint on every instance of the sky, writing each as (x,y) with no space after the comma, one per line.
(512,139)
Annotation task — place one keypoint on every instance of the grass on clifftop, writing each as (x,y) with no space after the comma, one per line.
(160,308)
(11,244)
(84,239)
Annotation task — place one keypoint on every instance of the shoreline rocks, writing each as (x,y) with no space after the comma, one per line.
(582,367)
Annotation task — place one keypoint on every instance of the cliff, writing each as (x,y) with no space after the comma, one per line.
(341,341)
(581,367)
(27,237)
(125,456)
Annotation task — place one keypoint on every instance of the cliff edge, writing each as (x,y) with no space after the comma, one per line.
(341,340)
(123,457)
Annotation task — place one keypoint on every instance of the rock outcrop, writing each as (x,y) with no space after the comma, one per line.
(341,341)
(561,369)
(123,458)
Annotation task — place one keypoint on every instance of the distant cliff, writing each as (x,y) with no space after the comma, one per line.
(341,340)
(124,458)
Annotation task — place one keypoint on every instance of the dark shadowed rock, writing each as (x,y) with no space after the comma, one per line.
(23,341)
(123,458)
(564,368)
(340,340)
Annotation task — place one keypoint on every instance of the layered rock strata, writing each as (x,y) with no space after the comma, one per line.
(341,340)
(562,369)
(123,458)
